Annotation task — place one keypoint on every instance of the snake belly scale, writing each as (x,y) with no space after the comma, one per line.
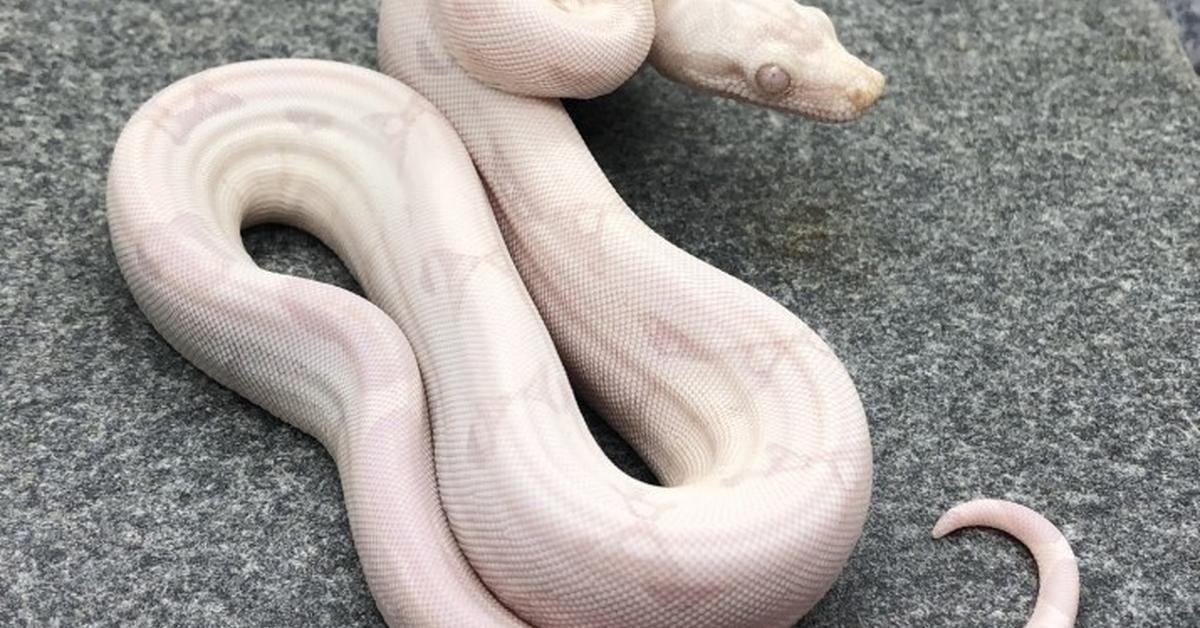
(504,276)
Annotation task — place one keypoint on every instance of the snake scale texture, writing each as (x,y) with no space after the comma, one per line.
(505,276)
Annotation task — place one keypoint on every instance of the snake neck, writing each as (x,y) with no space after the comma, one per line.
(566,49)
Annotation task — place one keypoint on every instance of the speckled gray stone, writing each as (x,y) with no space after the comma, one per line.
(1006,254)
(1187,14)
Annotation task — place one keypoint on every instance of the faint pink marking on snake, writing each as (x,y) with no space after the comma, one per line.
(646,515)
(545,388)
(207,102)
(670,342)
(308,120)
(396,126)
(592,222)
(444,271)
(779,459)
(763,357)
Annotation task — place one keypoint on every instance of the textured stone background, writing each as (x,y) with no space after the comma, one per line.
(1187,14)
(1006,254)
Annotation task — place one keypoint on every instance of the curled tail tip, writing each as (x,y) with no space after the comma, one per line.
(1058,571)
(978,512)
(1021,522)
(946,524)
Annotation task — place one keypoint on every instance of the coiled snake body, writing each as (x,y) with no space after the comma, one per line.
(502,268)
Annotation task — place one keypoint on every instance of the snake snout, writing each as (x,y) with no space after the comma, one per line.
(869,91)
(860,87)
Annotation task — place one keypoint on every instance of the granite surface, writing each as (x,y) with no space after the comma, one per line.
(1187,14)
(1006,254)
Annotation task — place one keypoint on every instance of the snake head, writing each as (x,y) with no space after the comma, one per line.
(772,53)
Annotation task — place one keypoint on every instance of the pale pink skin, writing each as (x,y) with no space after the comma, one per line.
(1058,571)
(498,259)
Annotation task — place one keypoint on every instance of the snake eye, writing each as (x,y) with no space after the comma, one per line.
(772,80)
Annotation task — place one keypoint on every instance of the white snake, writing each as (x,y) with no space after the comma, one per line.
(476,494)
